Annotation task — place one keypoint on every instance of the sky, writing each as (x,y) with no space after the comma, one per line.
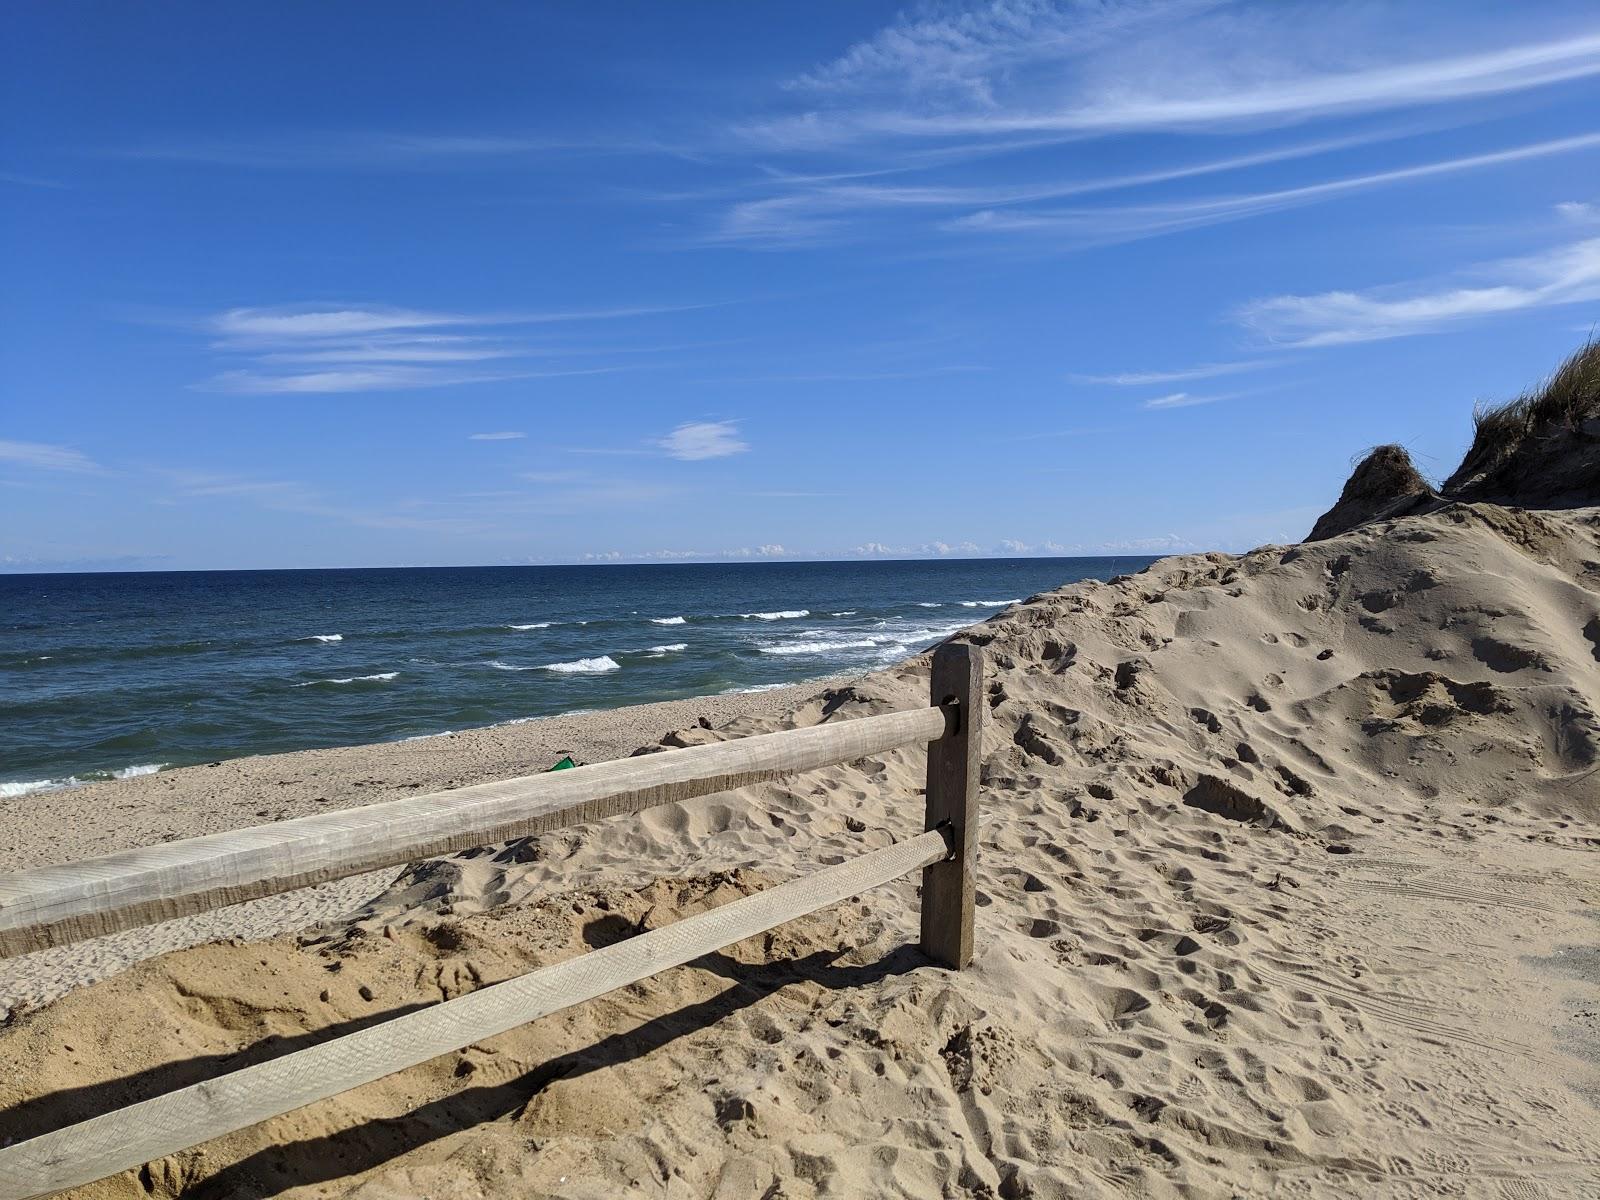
(295,284)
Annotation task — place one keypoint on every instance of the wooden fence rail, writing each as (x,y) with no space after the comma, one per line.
(62,904)
(53,906)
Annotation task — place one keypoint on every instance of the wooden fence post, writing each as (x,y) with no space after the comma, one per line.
(953,764)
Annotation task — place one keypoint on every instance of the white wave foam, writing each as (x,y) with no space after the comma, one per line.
(750,691)
(673,648)
(26,787)
(892,643)
(505,666)
(323,637)
(382,677)
(849,612)
(787,614)
(866,643)
(29,787)
(929,604)
(534,625)
(988,603)
(585,666)
(667,620)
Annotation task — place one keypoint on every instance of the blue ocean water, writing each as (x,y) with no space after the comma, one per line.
(117,674)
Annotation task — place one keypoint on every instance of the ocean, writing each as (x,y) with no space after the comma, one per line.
(113,675)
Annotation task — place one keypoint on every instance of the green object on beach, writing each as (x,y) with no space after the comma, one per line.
(566,764)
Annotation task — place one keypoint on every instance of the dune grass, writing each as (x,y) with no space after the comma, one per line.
(1563,403)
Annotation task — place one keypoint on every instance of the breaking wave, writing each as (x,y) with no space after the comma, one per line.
(585,666)
(29,787)
(381,677)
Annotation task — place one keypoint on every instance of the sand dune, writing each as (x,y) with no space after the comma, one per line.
(1283,854)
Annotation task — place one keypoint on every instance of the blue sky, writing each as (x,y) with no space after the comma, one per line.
(299,284)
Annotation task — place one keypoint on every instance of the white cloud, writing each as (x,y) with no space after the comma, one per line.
(371,379)
(506,436)
(1110,224)
(321,323)
(816,213)
(697,440)
(376,348)
(874,550)
(1185,400)
(1579,212)
(1568,274)
(46,457)
(1012,546)
(1022,68)
(960,50)
(1182,375)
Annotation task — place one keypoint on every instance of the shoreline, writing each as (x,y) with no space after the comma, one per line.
(68,823)
(20,789)
(109,815)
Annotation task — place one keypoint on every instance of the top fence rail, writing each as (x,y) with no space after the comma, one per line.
(58,905)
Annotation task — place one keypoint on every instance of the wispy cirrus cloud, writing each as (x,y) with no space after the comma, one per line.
(1567,274)
(1126,223)
(45,456)
(373,379)
(1181,375)
(365,348)
(504,436)
(1185,400)
(1020,67)
(816,210)
(944,86)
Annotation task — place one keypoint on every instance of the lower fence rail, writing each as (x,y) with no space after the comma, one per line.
(163,1125)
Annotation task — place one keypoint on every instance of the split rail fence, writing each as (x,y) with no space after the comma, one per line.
(56,906)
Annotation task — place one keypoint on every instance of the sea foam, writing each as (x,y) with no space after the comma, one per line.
(585,666)
(668,620)
(672,648)
(866,643)
(787,614)
(323,637)
(988,603)
(381,677)
(534,625)
(29,787)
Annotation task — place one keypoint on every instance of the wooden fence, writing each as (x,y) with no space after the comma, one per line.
(54,906)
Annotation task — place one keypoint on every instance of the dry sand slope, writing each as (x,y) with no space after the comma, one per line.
(1284,860)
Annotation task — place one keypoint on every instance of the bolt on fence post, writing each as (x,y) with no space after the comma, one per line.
(952,801)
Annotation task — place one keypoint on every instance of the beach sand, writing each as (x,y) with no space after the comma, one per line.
(1290,867)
